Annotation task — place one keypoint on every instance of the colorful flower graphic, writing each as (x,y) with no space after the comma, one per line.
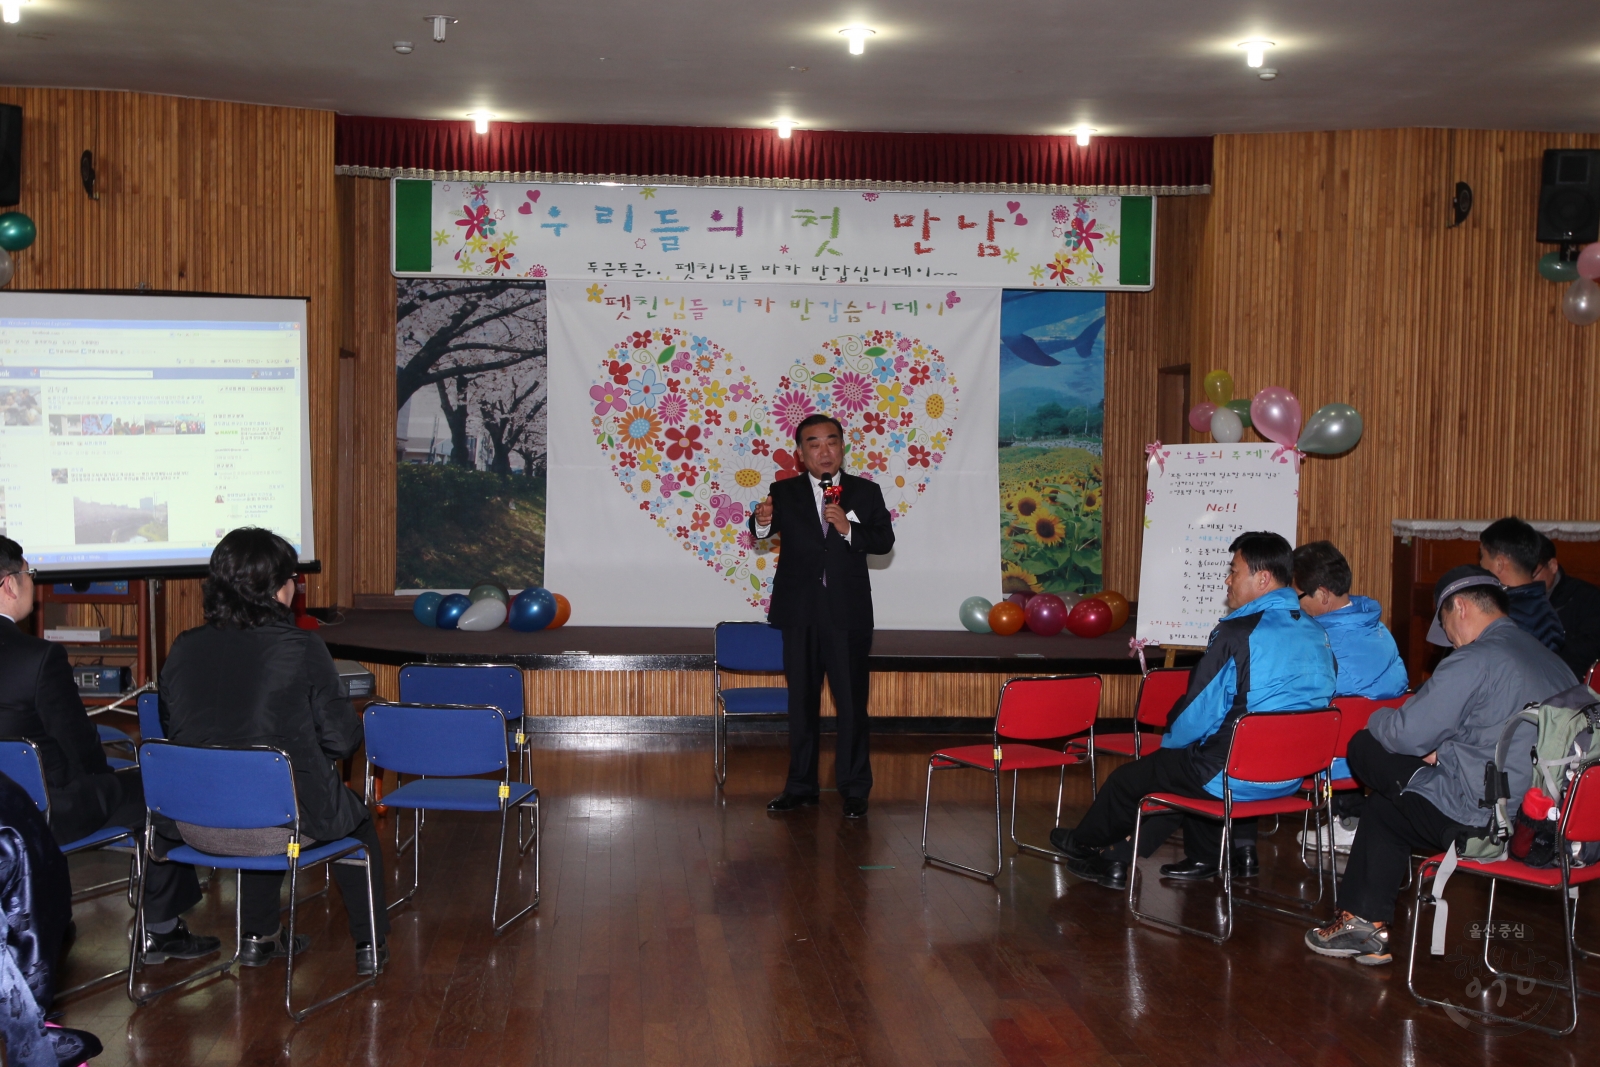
(639,428)
(476,220)
(672,408)
(891,398)
(645,389)
(790,409)
(1060,267)
(682,444)
(608,398)
(852,391)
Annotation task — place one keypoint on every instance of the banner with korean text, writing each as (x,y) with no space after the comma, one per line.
(673,408)
(759,236)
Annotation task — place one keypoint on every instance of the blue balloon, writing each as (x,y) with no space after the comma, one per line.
(426,608)
(532,609)
(451,608)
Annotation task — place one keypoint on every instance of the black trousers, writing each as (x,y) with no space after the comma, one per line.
(1392,824)
(810,654)
(259,890)
(170,889)
(1109,821)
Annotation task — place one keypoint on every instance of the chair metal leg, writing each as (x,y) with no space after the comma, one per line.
(135,873)
(499,867)
(372,919)
(137,948)
(719,745)
(1022,846)
(1133,881)
(927,800)
(416,856)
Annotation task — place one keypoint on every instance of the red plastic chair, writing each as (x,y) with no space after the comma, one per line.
(1274,746)
(1353,715)
(1158,692)
(1592,679)
(1579,823)
(1030,709)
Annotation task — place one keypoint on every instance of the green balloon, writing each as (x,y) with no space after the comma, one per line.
(1553,268)
(17,231)
(1240,408)
(974,614)
(1331,429)
(488,591)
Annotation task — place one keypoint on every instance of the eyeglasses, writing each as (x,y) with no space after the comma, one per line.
(31,572)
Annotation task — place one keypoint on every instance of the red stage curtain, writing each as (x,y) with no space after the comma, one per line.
(381,147)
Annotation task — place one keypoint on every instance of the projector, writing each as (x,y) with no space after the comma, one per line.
(102,681)
(354,679)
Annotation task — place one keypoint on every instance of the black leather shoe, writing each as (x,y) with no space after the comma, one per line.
(1061,841)
(258,950)
(1099,869)
(1189,870)
(788,802)
(367,962)
(1246,862)
(177,944)
(855,807)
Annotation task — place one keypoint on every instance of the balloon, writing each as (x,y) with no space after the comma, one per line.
(451,608)
(1020,599)
(563,612)
(1005,618)
(1045,615)
(485,590)
(1581,304)
(7,267)
(1588,261)
(1225,426)
(17,231)
(1219,387)
(485,614)
(533,609)
(1090,618)
(1240,408)
(1553,268)
(1118,604)
(426,608)
(1200,416)
(974,614)
(1332,428)
(1070,599)
(1276,415)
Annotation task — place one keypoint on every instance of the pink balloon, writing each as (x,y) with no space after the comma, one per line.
(1275,413)
(1045,614)
(1200,416)
(1589,262)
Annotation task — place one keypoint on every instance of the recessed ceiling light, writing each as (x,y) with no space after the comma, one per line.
(785,127)
(1081,134)
(857,36)
(403,47)
(1256,50)
(1267,73)
(12,9)
(439,24)
(799,70)
(480,120)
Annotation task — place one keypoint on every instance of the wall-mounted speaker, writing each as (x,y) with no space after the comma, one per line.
(10,154)
(1569,196)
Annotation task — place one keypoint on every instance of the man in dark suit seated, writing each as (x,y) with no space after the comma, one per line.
(822,601)
(39,701)
(1578,604)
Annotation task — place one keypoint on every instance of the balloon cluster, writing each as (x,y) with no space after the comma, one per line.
(1046,614)
(17,232)
(1274,413)
(488,604)
(1581,302)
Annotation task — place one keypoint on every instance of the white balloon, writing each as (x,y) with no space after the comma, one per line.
(1226,426)
(486,614)
(1581,304)
(7,267)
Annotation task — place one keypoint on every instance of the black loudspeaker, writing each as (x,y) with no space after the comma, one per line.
(10,154)
(1569,196)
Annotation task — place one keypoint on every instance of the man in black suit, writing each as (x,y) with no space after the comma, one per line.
(822,601)
(39,701)
(1577,602)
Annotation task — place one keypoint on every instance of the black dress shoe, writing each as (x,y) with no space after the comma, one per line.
(1061,841)
(369,963)
(788,802)
(258,950)
(1099,869)
(1246,862)
(855,807)
(177,944)
(1189,870)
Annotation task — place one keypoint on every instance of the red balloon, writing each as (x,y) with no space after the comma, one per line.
(1089,618)
(1046,614)
(1005,618)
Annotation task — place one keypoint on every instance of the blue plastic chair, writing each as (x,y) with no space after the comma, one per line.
(113,738)
(472,685)
(744,646)
(444,745)
(20,761)
(150,717)
(235,789)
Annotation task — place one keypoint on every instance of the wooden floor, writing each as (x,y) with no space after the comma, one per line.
(682,926)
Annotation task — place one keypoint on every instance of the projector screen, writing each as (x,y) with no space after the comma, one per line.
(136,430)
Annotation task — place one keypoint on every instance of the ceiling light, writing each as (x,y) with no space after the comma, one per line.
(857,36)
(439,24)
(403,47)
(785,127)
(480,120)
(1256,50)
(1081,133)
(13,9)
(1266,74)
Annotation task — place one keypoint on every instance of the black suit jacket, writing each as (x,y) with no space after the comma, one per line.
(1578,604)
(39,701)
(798,596)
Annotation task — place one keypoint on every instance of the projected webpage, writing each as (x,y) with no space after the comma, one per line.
(135,441)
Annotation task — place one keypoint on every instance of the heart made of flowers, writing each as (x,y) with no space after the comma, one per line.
(695,443)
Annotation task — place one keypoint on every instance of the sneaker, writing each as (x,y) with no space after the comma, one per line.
(177,944)
(1351,936)
(1344,834)
(258,950)
(366,962)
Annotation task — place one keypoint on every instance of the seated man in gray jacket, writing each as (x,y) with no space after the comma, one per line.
(1424,760)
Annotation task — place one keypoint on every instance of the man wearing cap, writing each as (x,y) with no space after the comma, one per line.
(1424,760)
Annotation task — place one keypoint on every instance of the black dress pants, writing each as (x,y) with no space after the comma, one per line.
(1392,824)
(259,891)
(1110,819)
(810,654)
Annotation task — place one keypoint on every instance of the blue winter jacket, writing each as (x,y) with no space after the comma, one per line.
(1267,656)
(1369,662)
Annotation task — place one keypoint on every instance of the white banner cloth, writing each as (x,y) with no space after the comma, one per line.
(673,407)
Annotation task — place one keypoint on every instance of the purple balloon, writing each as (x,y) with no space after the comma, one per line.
(1045,614)
(1200,416)
(1275,413)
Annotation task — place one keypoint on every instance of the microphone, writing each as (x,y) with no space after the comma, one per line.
(830,492)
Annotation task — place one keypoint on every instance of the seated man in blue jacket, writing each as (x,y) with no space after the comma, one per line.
(1265,655)
(1369,662)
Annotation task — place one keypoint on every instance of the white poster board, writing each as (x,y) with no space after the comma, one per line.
(1199,498)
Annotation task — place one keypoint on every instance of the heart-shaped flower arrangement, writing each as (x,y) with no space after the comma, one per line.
(694,442)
